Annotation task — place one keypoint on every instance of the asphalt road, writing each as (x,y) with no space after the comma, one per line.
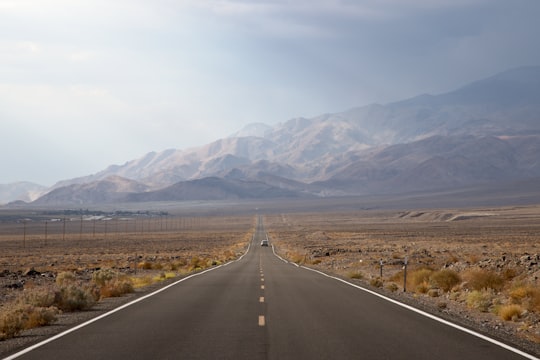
(261,307)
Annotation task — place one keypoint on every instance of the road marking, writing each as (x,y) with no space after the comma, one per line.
(428,315)
(262,279)
(262,287)
(261,299)
(279,257)
(261,320)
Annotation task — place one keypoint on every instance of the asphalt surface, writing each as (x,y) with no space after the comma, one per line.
(262,307)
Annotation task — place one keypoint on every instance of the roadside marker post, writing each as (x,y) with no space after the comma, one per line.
(405,274)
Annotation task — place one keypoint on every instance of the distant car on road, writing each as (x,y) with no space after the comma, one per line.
(264,243)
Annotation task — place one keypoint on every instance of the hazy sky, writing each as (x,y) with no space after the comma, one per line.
(89,83)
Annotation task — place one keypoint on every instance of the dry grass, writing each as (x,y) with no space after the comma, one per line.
(510,312)
(445,279)
(480,279)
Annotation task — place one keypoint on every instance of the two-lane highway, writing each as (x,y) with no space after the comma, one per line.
(262,307)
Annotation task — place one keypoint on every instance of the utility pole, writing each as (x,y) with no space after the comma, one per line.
(46,232)
(24,234)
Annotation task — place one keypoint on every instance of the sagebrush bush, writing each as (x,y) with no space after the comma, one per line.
(526,295)
(145,265)
(484,279)
(103,276)
(66,277)
(139,282)
(39,297)
(418,277)
(111,283)
(377,282)
(355,275)
(74,297)
(33,316)
(11,324)
(422,288)
(480,300)
(196,263)
(116,288)
(510,312)
(445,279)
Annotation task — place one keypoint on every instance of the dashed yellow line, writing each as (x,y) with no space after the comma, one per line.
(261,299)
(262,321)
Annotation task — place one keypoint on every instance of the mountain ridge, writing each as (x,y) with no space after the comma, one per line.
(485,132)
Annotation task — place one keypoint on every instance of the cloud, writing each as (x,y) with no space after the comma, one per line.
(142,75)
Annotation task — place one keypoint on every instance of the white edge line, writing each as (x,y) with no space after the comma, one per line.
(75,328)
(433,317)
(279,257)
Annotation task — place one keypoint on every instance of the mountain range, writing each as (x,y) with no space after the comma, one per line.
(484,133)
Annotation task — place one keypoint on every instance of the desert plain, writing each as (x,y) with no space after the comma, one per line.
(475,266)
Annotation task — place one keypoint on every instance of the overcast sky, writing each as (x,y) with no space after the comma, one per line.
(89,83)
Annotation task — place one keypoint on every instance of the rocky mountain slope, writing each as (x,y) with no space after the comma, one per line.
(483,133)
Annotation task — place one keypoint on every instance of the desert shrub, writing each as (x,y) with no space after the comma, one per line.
(377,282)
(33,316)
(11,324)
(527,295)
(509,273)
(510,312)
(433,293)
(116,288)
(103,276)
(39,297)
(418,280)
(484,279)
(355,275)
(65,277)
(196,263)
(145,265)
(139,282)
(519,292)
(445,279)
(480,300)
(392,287)
(111,283)
(74,297)
(19,316)
(422,288)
